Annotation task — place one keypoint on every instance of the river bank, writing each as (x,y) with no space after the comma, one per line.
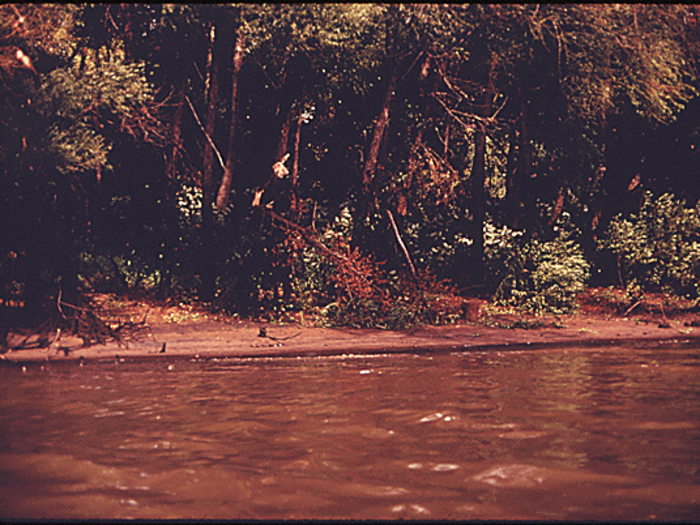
(185,331)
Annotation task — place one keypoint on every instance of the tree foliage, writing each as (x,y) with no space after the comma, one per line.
(62,107)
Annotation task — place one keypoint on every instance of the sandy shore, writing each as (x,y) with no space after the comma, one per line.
(204,336)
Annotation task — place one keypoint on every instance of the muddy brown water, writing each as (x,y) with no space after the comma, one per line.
(573,434)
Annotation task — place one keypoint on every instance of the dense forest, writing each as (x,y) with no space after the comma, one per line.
(362,164)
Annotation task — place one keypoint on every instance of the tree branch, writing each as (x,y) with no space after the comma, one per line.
(311,237)
(403,246)
(209,139)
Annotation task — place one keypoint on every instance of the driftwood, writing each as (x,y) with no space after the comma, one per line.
(86,322)
(89,325)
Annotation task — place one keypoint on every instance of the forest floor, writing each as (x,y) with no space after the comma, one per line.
(185,331)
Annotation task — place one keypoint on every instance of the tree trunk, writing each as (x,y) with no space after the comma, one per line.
(206,270)
(383,119)
(211,96)
(510,214)
(171,167)
(478,208)
(525,198)
(285,102)
(478,180)
(362,237)
(295,164)
(377,135)
(519,199)
(225,188)
(418,132)
(283,144)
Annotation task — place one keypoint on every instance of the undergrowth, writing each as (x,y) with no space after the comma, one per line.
(338,285)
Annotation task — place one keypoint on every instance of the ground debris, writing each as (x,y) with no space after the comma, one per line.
(89,321)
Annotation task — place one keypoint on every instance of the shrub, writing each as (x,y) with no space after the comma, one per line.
(502,247)
(658,249)
(540,276)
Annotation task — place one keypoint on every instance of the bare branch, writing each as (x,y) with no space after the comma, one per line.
(401,243)
(209,139)
(451,112)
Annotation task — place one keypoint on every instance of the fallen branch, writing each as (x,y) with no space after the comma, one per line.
(401,244)
(209,139)
(310,236)
(410,262)
(632,308)
(91,328)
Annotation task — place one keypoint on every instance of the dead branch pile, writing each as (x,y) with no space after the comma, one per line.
(91,322)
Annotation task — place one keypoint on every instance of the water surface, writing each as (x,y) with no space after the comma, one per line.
(575,434)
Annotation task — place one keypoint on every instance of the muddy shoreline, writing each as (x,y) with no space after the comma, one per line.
(204,336)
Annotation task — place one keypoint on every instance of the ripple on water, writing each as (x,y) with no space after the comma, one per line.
(437,416)
(519,475)
(516,475)
(412,509)
(107,413)
(522,434)
(354,489)
(445,467)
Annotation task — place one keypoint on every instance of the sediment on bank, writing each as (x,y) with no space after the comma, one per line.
(207,338)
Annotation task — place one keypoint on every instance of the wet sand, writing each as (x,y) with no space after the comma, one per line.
(207,336)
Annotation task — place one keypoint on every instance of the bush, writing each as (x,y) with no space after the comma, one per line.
(539,276)
(659,249)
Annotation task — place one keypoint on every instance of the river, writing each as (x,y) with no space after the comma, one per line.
(607,434)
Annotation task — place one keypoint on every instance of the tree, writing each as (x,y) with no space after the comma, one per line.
(589,59)
(61,109)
